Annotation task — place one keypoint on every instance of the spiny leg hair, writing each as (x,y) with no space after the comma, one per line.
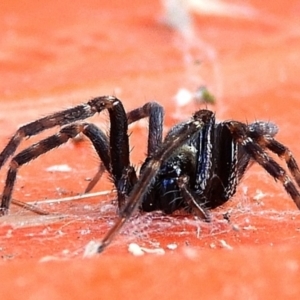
(96,136)
(254,144)
(61,118)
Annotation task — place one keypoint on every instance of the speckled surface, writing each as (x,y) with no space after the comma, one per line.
(54,56)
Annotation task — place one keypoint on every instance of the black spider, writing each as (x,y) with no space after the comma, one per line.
(196,167)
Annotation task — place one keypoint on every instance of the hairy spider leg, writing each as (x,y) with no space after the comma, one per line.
(155,113)
(71,115)
(255,148)
(260,128)
(115,161)
(147,177)
(267,141)
(96,136)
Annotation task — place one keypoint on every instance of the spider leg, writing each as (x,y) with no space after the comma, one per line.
(61,118)
(118,139)
(96,178)
(124,175)
(255,148)
(263,128)
(282,151)
(96,136)
(188,196)
(155,112)
(147,177)
(101,145)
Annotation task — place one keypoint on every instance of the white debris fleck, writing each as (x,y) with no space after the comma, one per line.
(223,244)
(259,195)
(136,250)
(107,208)
(212,245)
(65,252)
(59,168)
(218,7)
(49,258)
(172,246)
(250,227)
(85,231)
(236,227)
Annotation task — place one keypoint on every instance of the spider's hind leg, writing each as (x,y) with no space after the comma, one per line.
(262,128)
(255,144)
(267,141)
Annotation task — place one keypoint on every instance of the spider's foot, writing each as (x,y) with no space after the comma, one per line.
(3,211)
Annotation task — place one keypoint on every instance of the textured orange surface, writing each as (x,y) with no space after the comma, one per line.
(54,56)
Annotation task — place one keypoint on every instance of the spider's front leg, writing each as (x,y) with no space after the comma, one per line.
(125,183)
(60,118)
(123,173)
(114,154)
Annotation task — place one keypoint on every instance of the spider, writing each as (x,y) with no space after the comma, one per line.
(196,167)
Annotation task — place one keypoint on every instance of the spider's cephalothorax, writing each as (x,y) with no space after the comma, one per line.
(196,167)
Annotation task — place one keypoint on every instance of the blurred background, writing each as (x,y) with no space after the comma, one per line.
(237,58)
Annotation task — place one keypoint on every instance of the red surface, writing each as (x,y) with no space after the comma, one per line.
(58,55)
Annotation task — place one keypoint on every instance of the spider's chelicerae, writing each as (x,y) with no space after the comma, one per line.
(196,167)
